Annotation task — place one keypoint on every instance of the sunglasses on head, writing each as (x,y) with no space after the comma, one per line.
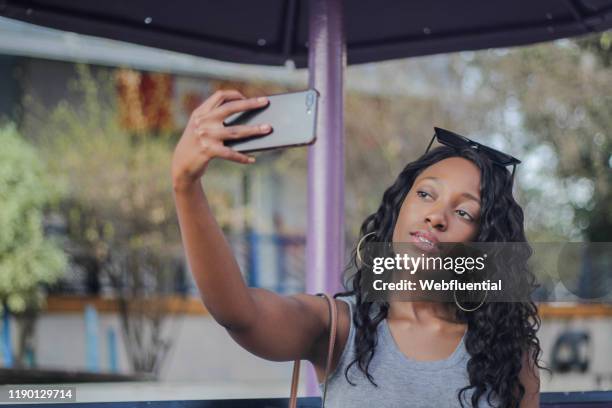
(448,138)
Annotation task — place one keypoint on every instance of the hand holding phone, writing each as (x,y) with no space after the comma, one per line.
(204,136)
(293,118)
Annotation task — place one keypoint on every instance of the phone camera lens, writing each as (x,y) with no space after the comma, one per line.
(309,100)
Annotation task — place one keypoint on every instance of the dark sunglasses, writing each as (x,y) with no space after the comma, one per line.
(448,138)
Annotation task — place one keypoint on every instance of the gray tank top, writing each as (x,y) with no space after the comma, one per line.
(402,381)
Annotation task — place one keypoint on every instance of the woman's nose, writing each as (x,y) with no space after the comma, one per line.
(436,220)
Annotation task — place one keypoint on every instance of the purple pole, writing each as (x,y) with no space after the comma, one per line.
(325,235)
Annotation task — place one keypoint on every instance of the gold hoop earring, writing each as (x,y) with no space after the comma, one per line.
(469,310)
(359,258)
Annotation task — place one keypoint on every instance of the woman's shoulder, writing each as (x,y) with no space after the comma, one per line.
(347,298)
(344,306)
(347,308)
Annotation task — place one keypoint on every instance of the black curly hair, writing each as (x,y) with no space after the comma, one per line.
(499,334)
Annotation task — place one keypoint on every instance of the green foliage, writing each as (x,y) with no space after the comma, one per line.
(600,45)
(118,204)
(563,94)
(27,257)
(118,183)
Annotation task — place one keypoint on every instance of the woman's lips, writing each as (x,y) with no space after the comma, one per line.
(424,242)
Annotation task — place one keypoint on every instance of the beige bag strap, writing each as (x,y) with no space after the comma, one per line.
(333,324)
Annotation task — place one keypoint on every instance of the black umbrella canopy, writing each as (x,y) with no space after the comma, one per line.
(270,32)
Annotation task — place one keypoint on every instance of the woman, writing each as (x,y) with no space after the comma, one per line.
(386,354)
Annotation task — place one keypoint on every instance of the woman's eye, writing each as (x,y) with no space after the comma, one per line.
(463,214)
(422,194)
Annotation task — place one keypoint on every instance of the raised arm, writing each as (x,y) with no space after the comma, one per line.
(271,326)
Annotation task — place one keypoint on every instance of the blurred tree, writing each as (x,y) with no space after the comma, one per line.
(118,205)
(28,258)
(145,285)
(145,100)
(562,96)
(600,45)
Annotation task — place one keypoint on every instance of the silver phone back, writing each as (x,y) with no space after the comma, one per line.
(293,117)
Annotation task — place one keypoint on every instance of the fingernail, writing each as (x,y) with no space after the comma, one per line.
(265,128)
(251,160)
(262,99)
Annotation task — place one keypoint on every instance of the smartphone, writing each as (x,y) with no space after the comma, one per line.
(293,117)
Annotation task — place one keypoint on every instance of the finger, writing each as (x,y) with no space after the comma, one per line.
(230,108)
(240,131)
(228,153)
(218,98)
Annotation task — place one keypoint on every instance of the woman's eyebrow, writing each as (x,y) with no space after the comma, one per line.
(430,178)
(471,197)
